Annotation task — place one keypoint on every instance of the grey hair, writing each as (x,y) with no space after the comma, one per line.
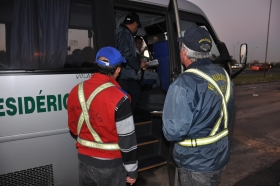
(195,56)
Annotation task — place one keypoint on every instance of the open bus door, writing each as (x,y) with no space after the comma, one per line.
(172,17)
(153,149)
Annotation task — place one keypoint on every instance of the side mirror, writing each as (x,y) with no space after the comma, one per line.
(243,53)
(243,59)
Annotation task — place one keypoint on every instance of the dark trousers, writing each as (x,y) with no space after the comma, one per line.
(190,178)
(133,88)
(91,176)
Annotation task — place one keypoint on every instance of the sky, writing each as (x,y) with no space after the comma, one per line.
(246,21)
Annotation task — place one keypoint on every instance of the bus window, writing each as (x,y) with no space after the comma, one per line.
(77,39)
(37,40)
(79,48)
(3,54)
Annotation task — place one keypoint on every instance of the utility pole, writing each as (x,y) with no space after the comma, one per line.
(267,39)
(252,54)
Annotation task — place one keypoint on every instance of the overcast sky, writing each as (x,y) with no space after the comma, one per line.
(246,21)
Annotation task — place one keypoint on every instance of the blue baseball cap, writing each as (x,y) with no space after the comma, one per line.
(112,54)
(197,39)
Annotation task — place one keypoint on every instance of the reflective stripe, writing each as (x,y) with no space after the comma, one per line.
(205,76)
(228,86)
(84,116)
(217,125)
(227,95)
(204,141)
(213,137)
(82,102)
(104,146)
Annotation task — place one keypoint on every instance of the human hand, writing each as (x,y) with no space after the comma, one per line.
(130,180)
(143,64)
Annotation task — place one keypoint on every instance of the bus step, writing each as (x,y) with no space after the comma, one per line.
(145,140)
(142,123)
(150,162)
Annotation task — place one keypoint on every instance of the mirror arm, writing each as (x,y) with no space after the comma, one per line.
(232,76)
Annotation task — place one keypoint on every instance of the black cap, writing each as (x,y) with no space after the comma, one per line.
(131,17)
(197,39)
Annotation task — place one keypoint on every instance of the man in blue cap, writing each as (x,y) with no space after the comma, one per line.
(198,111)
(100,116)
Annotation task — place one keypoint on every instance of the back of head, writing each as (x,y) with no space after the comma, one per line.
(198,42)
(108,59)
(131,18)
(76,51)
(88,54)
(138,38)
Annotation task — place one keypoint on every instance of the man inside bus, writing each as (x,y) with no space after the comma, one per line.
(147,75)
(125,44)
(100,116)
(197,111)
(139,45)
(88,56)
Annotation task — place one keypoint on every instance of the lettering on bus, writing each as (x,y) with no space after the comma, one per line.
(28,105)
(79,76)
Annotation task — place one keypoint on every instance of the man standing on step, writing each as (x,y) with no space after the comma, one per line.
(125,44)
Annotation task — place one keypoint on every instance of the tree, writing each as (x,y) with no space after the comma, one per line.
(277,65)
(218,58)
(255,62)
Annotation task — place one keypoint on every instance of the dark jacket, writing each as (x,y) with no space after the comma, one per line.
(191,109)
(126,46)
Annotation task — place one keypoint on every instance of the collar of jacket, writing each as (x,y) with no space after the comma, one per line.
(199,63)
(103,78)
(123,25)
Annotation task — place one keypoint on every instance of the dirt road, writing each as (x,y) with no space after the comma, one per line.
(256,138)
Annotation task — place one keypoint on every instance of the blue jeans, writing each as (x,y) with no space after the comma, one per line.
(190,178)
(91,176)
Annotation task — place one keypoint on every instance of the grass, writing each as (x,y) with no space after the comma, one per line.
(243,79)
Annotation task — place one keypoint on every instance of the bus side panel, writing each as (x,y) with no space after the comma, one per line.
(35,141)
(30,157)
